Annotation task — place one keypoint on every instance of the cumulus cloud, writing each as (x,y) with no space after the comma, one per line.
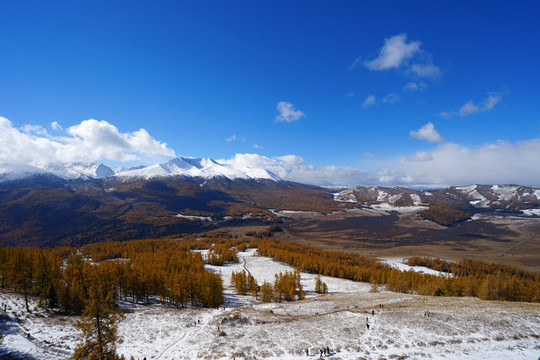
(295,168)
(256,146)
(287,112)
(470,107)
(427,133)
(395,52)
(501,162)
(369,101)
(400,54)
(56,126)
(91,140)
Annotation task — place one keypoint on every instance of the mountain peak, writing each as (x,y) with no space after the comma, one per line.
(197,167)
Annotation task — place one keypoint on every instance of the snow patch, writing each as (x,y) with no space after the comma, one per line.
(400,209)
(531,212)
(194,217)
(400,264)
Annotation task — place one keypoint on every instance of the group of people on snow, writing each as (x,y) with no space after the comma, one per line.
(322,351)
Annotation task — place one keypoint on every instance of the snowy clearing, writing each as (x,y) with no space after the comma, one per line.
(400,264)
(457,328)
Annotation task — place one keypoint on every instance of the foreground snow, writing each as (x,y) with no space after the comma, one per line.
(458,328)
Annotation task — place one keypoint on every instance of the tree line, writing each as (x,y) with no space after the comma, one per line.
(467,278)
(133,271)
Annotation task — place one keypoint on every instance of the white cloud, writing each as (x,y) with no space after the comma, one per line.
(420,156)
(368,155)
(91,140)
(486,105)
(56,126)
(414,86)
(427,70)
(257,146)
(395,52)
(294,168)
(501,162)
(287,112)
(350,94)
(34,129)
(445,114)
(235,138)
(400,54)
(392,98)
(427,133)
(470,107)
(370,100)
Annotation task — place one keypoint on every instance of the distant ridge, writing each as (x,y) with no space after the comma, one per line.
(205,168)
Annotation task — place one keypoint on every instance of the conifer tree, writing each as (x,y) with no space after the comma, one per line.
(267,292)
(98,325)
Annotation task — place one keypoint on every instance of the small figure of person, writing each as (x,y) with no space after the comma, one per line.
(328,350)
(307,352)
(372,312)
(367,325)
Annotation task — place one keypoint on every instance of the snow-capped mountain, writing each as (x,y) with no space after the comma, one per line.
(194,167)
(182,166)
(472,196)
(65,171)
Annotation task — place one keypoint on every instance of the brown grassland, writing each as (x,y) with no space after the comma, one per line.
(380,234)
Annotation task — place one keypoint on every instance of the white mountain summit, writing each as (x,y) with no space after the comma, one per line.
(182,166)
(194,167)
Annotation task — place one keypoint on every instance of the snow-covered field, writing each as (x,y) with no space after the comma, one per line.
(400,264)
(457,328)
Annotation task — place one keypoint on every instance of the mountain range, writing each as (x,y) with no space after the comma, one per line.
(51,204)
(205,168)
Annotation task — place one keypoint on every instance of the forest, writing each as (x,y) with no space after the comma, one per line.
(172,271)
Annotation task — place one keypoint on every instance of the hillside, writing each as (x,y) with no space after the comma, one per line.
(244,328)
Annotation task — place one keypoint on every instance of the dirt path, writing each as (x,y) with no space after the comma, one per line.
(531,235)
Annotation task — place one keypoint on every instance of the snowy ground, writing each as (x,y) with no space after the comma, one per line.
(401,264)
(458,328)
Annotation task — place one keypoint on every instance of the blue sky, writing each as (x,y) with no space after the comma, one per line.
(413,93)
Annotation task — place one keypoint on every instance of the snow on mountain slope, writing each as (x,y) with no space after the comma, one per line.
(478,196)
(194,167)
(505,192)
(471,191)
(182,166)
(72,171)
(66,171)
(9,172)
